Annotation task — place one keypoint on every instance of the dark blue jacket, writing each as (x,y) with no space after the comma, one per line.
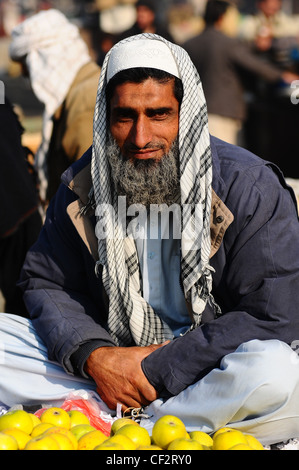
(255,254)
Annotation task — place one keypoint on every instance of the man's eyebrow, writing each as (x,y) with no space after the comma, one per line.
(127,111)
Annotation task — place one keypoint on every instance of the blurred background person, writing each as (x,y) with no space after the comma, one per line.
(20,219)
(64,78)
(223,63)
(147,21)
(272,126)
(268,24)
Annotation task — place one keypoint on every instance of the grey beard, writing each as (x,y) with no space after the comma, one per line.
(145,181)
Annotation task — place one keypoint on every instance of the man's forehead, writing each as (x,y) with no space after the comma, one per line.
(150,53)
(151,93)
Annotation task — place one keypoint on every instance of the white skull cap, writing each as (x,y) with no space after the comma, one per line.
(151,53)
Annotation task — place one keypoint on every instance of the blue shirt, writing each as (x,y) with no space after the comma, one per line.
(159,258)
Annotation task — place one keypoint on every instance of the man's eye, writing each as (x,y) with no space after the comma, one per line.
(159,114)
(124,119)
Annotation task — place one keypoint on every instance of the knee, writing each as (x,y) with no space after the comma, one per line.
(275,365)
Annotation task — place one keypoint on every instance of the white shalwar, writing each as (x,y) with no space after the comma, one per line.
(255,389)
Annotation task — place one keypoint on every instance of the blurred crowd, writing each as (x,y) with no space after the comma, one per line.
(247,54)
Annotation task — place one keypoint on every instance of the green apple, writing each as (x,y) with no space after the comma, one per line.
(185,444)
(166,429)
(118,423)
(16,419)
(80,429)
(77,417)
(137,434)
(42,442)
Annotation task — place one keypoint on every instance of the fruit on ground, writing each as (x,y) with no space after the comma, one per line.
(40,429)
(202,437)
(185,444)
(20,436)
(253,442)
(42,442)
(63,441)
(124,441)
(81,429)
(219,431)
(65,432)
(108,445)
(8,442)
(227,440)
(35,419)
(77,417)
(118,423)
(166,429)
(241,447)
(91,439)
(16,419)
(57,417)
(137,434)
(150,447)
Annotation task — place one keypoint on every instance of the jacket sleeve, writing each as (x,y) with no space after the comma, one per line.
(61,290)
(256,283)
(243,56)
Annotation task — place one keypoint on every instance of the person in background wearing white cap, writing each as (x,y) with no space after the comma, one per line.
(166,275)
(64,78)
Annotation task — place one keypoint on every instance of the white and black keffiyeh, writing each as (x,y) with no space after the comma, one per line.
(54,52)
(131,319)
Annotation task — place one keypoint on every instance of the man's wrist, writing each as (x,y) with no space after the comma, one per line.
(80,356)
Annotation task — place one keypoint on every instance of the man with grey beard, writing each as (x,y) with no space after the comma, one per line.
(202,326)
(145,182)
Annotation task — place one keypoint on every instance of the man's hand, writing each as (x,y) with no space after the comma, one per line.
(119,377)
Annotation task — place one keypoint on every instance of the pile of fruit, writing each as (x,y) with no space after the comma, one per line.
(58,429)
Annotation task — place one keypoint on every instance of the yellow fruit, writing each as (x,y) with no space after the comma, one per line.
(118,423)
(137,434)
(91,439)
(63,441)
(227,440)
(16,419)
(20,436)
(42,442)
(166,429)
(150,447)
(253,442)
(77,417)
(65,432)
(81,429)
(40,429)
(56,416)
(8,442)
(241,447)
(185,444)
(221,430)
(108,445)
(202,437)
(35,419)
(124,441)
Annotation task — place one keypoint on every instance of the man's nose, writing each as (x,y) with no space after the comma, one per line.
(141,133)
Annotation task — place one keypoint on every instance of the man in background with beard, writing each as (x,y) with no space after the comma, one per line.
(194,317)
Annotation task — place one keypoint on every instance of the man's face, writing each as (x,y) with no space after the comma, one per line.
(145,17)
(144,119)
(270,7)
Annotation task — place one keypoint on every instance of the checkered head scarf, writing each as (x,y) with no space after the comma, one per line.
(54,52)
(131,320)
